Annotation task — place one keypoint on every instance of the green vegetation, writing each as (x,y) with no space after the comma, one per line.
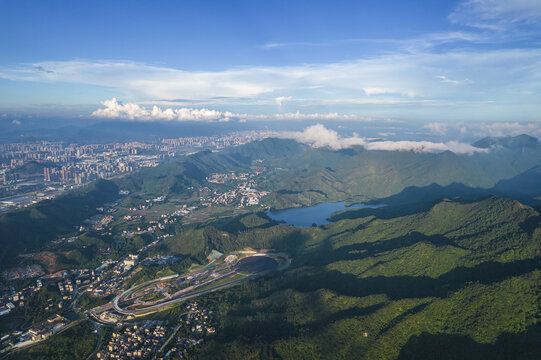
(462,274)
(153,297)
(445,271)
(31,228)
(320,175)
(33,310)
(11,322)
(75,343)
(87,301)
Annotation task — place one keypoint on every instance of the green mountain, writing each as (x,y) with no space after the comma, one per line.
(318,175)
(461,279)
(31,228)
(511,142)
(447,270)
(177,175)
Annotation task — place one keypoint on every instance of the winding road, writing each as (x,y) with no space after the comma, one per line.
(239,266)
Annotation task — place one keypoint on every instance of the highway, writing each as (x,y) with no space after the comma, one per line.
(191,294)
(85,315)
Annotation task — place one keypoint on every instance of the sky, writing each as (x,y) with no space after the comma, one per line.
(448,64)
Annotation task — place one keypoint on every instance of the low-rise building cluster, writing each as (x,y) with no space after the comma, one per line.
(244,192)
(40,331)
(138,341)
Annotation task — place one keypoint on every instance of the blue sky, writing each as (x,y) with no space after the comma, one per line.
(432,61)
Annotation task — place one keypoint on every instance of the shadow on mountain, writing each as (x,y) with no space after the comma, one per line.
(525,187)
(245,222)
(325,254)
(521,346)
(275,327)
(400,287)
(414,200)
(344,314)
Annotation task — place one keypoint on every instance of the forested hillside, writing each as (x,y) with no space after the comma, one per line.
(31,228)
(461,280)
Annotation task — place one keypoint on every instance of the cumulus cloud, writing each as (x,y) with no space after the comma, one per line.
(16,122)
(319,136)
(283,99)
(115,109)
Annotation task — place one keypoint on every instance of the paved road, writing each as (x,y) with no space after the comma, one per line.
(195,293)
(95,324)
(167,341)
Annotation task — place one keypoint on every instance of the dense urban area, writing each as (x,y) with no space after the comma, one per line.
(30,172)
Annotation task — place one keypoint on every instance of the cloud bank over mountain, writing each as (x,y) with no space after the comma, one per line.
(482,129)
(319,136)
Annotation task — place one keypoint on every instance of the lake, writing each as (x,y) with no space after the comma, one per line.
(318,214)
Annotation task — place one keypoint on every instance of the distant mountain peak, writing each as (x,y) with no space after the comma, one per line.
(511,142)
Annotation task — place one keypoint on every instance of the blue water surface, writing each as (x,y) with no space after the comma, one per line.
(318,214)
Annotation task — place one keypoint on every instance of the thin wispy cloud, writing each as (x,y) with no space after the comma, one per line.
(482,129)
(395,76)
(406,76)
(445,79)
(419,43)
(497,14)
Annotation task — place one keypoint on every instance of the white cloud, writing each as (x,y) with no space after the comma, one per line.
(117,110)
(314,116)
(369,91)
(438,128)
(505,128)
(16,122)
(424,147)
(280,100)
(319,136)
(496,14)
(394,77)
(450,81)
(483,129)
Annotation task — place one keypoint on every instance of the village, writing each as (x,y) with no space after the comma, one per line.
(243,194)
(142,339)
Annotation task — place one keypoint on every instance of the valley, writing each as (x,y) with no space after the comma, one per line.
(380,281)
